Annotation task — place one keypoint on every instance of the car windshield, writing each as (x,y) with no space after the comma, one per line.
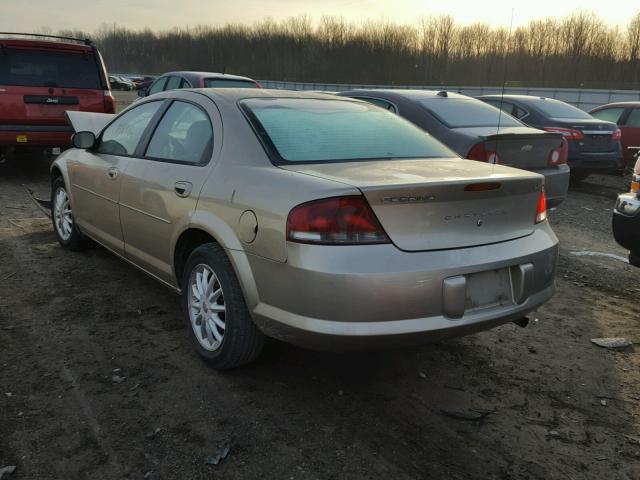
(314,130)
(467,112)
(227,83)
(557,109)
(49,69)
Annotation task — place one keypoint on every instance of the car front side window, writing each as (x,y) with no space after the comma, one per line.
(123,135)
(183,135)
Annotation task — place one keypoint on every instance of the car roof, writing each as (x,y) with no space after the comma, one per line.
(619,104)
(522,98)
(408,94)
(190,75)
(39,44)
(236,94)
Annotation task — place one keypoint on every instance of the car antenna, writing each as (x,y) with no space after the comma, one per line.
(504,83)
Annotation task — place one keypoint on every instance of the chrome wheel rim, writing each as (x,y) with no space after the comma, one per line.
(207,309)
(62,218)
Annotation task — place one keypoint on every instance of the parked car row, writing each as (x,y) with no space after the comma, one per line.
(119,82)
(358,219)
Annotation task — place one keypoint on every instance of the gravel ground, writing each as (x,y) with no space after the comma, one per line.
(98,379)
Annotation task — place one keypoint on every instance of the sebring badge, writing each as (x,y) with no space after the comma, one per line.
(412,199)
(526,148)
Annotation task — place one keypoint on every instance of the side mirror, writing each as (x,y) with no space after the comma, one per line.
(142,92)
(83,140)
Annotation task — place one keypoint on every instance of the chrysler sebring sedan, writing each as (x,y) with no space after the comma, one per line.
(321,221)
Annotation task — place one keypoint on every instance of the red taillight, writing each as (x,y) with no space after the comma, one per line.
(617,135)
(568,133)
(479,152)
(335,221)
(558,156)
(109,102)
(541,211)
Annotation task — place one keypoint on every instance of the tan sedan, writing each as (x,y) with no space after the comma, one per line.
(321,221)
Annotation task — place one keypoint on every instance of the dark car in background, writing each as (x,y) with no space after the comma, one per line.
(627,116)
(41,77)
(470,128)
(121,83)
(143,82)
(176,80)
(626,218)
(594,145)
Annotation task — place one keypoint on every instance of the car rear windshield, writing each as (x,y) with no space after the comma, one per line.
(314,130)
(557,109)
(226,83)
(37,68)
(461,112)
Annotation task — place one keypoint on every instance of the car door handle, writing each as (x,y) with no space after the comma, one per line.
(182,189)
(112,173)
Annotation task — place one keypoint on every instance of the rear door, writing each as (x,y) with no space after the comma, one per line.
(160,188)
(38,85)
(96,175)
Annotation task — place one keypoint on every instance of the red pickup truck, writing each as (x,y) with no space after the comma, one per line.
(42,76)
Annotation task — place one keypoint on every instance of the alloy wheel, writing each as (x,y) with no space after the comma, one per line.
(207,310)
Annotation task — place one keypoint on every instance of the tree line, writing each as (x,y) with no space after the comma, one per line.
(579,50)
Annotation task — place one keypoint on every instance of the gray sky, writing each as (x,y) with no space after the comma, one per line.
(88,15)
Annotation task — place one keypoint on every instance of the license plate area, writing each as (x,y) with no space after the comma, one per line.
(488,289)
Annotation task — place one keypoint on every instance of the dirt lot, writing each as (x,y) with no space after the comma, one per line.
(98,379)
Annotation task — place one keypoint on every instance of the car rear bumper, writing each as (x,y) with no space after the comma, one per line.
(358,297)
(35,135)
(556,184)
(609,162)
(626,221)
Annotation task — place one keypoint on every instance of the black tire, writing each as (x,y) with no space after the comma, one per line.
(242,341)
(75,240)
(634,258)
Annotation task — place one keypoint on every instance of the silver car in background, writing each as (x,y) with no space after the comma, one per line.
(322,221)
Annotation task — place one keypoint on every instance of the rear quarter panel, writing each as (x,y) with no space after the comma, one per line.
(245,179)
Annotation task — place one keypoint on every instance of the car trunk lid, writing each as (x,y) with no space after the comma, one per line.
(430,204)
(519,147)
(597,135)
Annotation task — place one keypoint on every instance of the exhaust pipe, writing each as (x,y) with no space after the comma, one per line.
(522,322)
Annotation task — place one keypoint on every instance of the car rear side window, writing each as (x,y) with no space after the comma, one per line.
(380,103)
(228,83)
(183,135)
(609,114)
(158,86)
(314,130)
(557,109)
(173,83)
(123,135)
(36,68)
(463,112)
